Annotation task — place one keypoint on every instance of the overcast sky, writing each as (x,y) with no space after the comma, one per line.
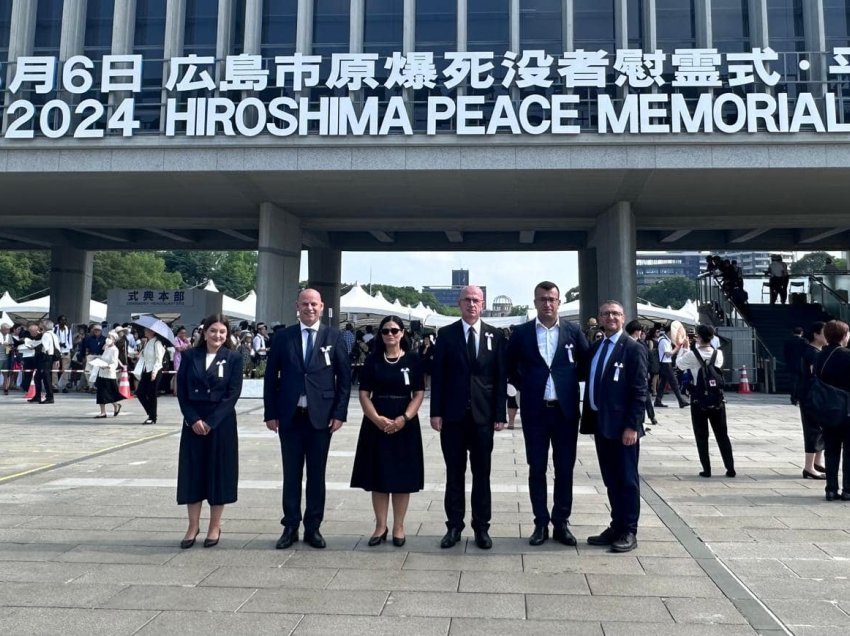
(513,274)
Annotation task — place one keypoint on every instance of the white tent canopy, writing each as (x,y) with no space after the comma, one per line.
(38,307)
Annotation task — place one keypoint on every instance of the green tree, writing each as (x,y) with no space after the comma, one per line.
(128,270)
(673,292)
(237,273)
(817,263)
(519,310)
(194,267)
(24,273)
(571,294)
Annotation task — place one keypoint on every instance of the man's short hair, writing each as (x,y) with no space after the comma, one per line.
(633,327)
(705,332)
(546,285)
(834,331)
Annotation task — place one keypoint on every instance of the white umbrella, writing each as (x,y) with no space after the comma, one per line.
(156,325)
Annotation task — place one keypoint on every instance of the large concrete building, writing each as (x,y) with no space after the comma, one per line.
(602,126)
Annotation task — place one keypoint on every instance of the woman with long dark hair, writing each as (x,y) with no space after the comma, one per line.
(208,386)
(389,461)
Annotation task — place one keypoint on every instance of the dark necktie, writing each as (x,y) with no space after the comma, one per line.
(470,345)
(600,370)
(309,350)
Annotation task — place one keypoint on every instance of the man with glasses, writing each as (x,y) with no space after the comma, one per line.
(468,402)
(546,360)
(305,395)
(613,412)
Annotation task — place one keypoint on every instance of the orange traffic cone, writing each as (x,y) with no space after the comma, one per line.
(124,385)
(31,391)
(743,381)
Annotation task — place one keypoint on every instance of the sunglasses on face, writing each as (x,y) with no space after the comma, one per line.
(390,330)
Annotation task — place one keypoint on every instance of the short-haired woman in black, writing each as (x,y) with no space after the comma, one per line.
(701,416)
(208,386)
(389,461)
(812,434)
(832,365)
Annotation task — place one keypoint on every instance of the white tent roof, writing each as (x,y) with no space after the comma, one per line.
(210,286)
(5,320)
(41,307)
(357,301)
(7,301)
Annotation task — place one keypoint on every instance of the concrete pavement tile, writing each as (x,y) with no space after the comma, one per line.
(597,608)
(679,629)
(739,550)
(396,580)
(334,542)
(118,554)
(246,557)
(761,568)
(644,548)
(171,597)
(320,625)
(800,536)
(810,612)
(735,523)
(74,523)
(837,550)
(796,589)
(814,522)
(37,572)
(555,563)
(838,569)
(177,622)
(310,558)
(518,545)
(26,621)
(464,562)
(652,585)
(145,574)
(488,627)
(11,520)
(702,610)
(456,605)
(273,577)
(55,594)
(818,630)
(669,566)
(299,601)
(523,583)
(32,552)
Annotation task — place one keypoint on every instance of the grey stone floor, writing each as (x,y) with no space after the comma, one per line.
(89,535)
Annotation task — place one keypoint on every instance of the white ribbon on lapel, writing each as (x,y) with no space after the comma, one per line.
(327,351)
(617,367)
(489,337)
(569,349)
(406,373)
(220,365)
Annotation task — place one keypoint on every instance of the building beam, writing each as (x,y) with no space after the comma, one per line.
(813,236)
(24,238)
(454,236)
(383,237)
(675,236)
(747,235)
(104,235)
(526,237)
(314,239)
(174,236)
(239,235)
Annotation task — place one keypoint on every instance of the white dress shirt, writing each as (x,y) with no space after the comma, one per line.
(547,344)
(476,327)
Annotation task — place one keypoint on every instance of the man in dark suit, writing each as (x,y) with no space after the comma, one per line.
(546,360)
(613,412)
(305,394)
(468,402)
(792,354)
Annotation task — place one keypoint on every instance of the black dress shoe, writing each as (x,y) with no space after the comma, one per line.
(289,536)
(820,469)
(606,537)
(683,405)
(314,539)
(450,538)
(705,473)
(399,541)
(808,475)
(209,543)
(660,405)
(50,401)
(626,543)
(831,495)
(483,540)
(845,496)
(185,544)
(730,472)
(378,539)
(539,536)
(563,535)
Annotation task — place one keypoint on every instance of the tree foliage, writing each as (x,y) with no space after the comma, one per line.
(23,274)
(672,292)
(234,273)
(571,294)
(817,263)
(519,310)
(129,270)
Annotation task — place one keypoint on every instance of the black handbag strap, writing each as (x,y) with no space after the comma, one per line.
(819,372)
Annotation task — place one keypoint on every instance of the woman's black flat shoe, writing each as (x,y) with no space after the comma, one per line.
(808,475)
(188,543)
(209,543)
(377,540)
(399,541)
(820,468)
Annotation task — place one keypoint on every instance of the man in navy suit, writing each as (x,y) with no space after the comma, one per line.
(613,412)
(305,394)
(546,360)
(468,402)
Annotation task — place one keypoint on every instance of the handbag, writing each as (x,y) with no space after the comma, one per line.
(825,404)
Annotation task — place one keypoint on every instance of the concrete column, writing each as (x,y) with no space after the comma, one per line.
(278,264)
(621,21)
(253,26)
(588,285)
(409,32)
(650,26)
(70,283)
(703,23)
(325,274)
(224,30)
(175,25)
(514,28)
(568,23)
(815,31)
(304,28)
(124,27)
(615,240)
(73,36)
(21,38)
(357,26)
(462,25)
(758,23)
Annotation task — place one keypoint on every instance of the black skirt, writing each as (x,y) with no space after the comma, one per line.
(107,391)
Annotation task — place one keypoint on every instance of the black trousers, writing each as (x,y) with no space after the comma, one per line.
(812,434)
(459,441)
(43,379)
(555,430)
(837,454)
(146,394)
(302,444)
(618,464)
(778,287)
(668,376)
(700,420)
(29,368)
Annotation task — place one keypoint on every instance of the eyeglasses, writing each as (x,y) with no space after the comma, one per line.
(390,330)
(611,314)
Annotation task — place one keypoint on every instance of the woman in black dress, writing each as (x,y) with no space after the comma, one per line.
(388,461)
(208,387)
(812,435)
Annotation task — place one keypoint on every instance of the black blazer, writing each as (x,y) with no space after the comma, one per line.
(201,393)
(458,383)
(528,372)
(622,402)
(836,371)
(325,379)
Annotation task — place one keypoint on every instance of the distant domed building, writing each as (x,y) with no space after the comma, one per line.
(502,306)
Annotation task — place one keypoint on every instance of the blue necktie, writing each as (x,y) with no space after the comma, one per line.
(600,370)
(309,350)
